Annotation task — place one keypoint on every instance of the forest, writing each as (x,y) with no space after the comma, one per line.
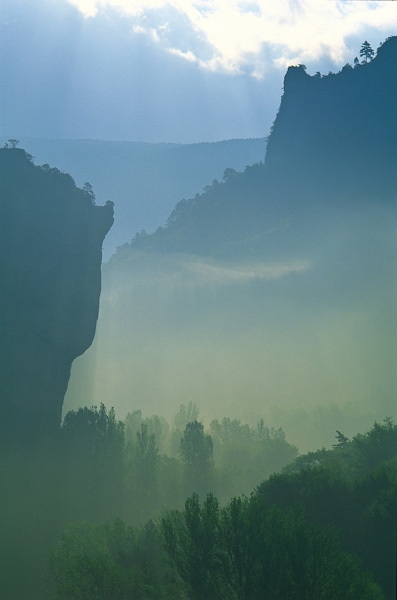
(146,509)
(158,510)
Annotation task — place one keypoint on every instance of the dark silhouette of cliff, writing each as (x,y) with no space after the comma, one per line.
(51,236)
(336,135)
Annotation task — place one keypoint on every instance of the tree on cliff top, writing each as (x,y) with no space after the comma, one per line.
(366,52)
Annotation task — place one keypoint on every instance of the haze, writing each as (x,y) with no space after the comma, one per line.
(172,72)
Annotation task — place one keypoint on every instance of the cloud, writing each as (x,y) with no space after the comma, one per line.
(217,274)
(235,35)
(176,71)
(191,272)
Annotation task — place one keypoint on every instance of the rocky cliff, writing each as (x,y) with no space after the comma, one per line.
(336,135)
(51,236)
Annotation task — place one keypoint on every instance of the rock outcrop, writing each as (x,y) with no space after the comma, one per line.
(336,135)
(51,236)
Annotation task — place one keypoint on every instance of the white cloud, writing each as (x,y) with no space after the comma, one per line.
(253,35)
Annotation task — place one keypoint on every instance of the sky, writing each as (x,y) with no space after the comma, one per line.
(179,71)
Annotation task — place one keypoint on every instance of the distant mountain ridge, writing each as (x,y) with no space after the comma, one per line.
(144,180)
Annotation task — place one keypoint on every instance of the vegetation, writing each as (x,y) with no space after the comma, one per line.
(136,467)
(366,52)
(324,528)
(129,513)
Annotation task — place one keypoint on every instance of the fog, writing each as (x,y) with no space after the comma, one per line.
(306,342)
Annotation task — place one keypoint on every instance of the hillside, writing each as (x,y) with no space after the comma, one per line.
(145,180)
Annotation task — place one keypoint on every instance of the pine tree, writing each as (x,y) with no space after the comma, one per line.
(366,52)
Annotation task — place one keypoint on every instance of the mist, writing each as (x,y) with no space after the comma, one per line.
(313,333)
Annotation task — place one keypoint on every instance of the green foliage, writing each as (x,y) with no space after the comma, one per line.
(307,532)
(99,562)
(142,458)
(353,486)
(245,551)
(191,540)
(187,413)
(196,448)
(355,457)
(370,449)
(247,454)
(197,454)
(93,455)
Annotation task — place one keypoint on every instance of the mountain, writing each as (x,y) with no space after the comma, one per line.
(272,291)
(144,180)
(51,236)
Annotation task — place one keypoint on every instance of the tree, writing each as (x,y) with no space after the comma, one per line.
(12,143)
(93,454)
(366,52)
(196,447)
(109,561)
(229,174)
(89,190)
(245,551)
(146,451)
(246,455)
(186,414)
(371,449)
(141,484)
(197,453)
(191,540)
(236,535)
(342,440)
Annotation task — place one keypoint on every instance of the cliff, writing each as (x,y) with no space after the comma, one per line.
(51,236)
(336,135)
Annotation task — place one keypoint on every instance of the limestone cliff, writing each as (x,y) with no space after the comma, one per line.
(51,236)
(336,135)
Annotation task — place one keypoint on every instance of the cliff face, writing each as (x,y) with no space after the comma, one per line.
(51,236)
(337,134)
